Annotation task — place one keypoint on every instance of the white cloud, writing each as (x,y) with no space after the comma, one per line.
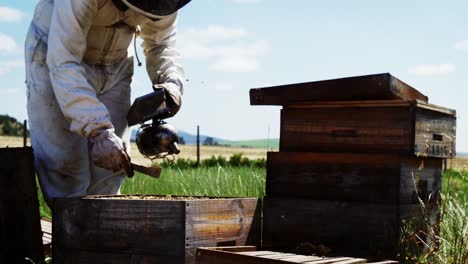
(8,45)
(232,50)
(8,14)
(433,69)
(462,45)
(9,65)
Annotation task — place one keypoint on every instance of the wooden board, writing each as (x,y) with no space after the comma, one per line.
(402,127)
(435,133)
(329,176)
(362,229)
(372,178)
(169,230)
(370,87)
(336,224)
(250,256)
(20,231)
(46,227)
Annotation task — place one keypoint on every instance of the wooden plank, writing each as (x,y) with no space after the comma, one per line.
(257,253)
(279,256)
(384,262)
(237,249)
(420,178)
(223,222)
(370,87)
(435,108)
(328,260)
(335,224)
(329,176)
(347,104)
(151,228)
(141,227)
(300,258)
(205,256)
(435,134)
(369,178)
(354,129)
(230,256)
(20,230)
(74,256)
(411,128)
(46,225)
(352,261)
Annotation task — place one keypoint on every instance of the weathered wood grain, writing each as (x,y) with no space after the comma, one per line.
(435,134)
(126,226)
(372,178)
(354,129)
(349,228)
(327,176)
(345,227)
(370,87)
(219,222)
(420,178)
(227,256)
(20,230)
(73,256)
(152,230)
(402,127)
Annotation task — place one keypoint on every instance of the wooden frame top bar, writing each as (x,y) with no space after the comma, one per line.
(369,87)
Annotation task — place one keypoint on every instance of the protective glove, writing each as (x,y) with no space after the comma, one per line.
(173,97)
(108,152)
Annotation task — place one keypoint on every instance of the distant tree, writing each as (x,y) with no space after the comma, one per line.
(208,141)
(9,126)
(7,129)
(182,141)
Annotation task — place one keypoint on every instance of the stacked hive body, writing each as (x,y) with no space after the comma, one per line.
(356,154)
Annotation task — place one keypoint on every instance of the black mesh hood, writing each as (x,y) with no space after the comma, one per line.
(156,8)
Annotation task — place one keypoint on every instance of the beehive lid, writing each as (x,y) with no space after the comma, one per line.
(369,87)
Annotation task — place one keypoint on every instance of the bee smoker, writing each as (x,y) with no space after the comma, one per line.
(157,139)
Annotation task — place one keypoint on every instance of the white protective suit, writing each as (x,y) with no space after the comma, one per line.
(78,77)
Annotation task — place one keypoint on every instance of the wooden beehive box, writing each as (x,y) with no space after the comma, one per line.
(356,154)
(20,230)
(373,114)
(149,229)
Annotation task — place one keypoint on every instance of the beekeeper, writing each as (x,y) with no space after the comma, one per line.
(78,77)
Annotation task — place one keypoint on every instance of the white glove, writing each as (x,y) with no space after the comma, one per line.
(173,96)
(108,152)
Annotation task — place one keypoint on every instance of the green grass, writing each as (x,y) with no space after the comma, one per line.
(453,227)
(442,239)
(204,181)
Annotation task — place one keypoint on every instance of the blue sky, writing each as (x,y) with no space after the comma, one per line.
(230,46)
